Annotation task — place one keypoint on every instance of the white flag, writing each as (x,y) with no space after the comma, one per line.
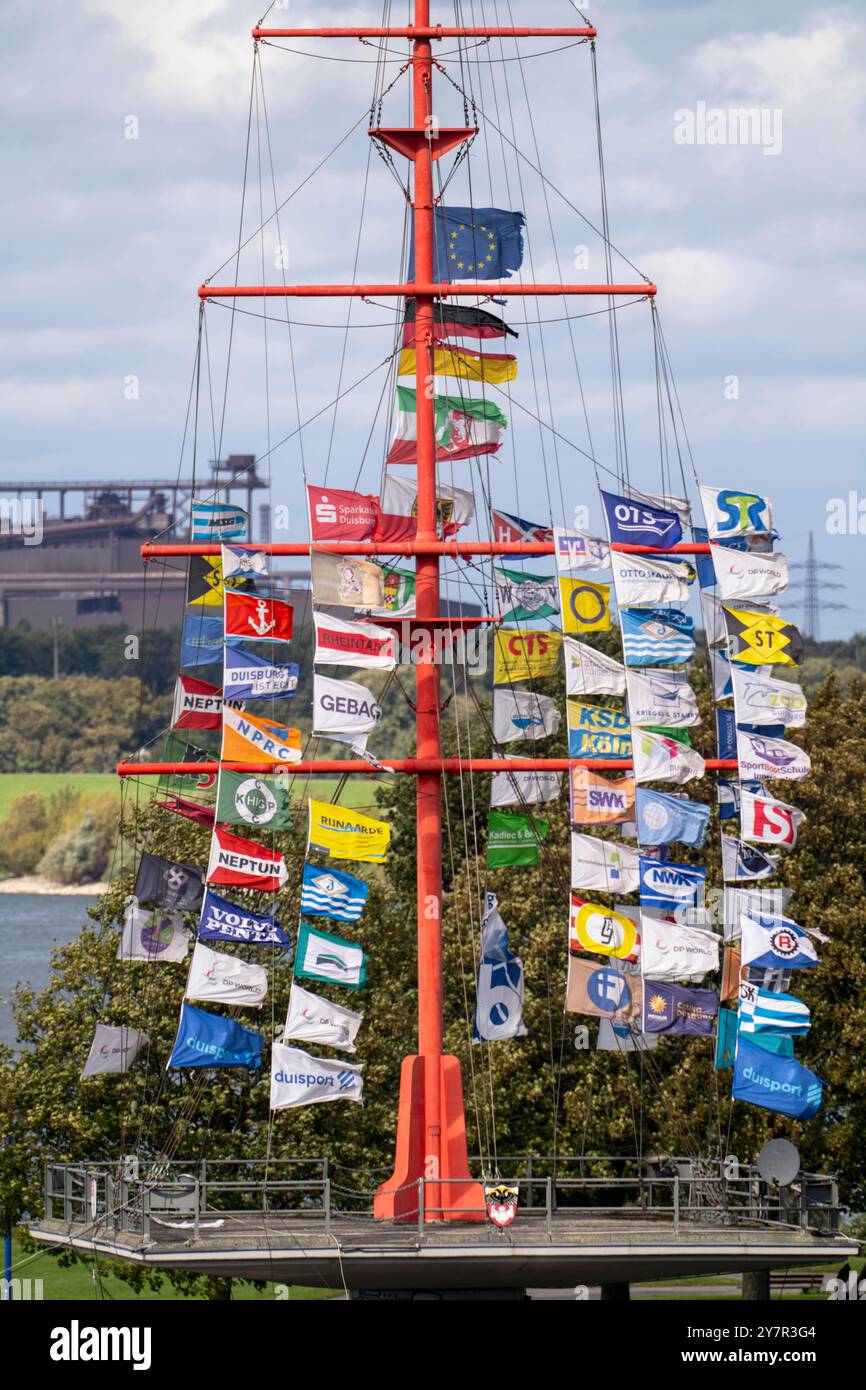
(213,975)
(669,951)
(299,1079)
(522,715)
(747,574)
(314,1019)
(588,672)
(400,496)
(622,1037)
(576,550)
(344,711)
(754,902)
(732,512)
(643,583)
(759,756)
(243,560)
(660,759)
(765,820)
(761,699)
(604,865)
(341,643)
(661,698)
(152,934)
(524,788)
(714,619)
(681,505)
(113,1050)
(720,670)
(742,861)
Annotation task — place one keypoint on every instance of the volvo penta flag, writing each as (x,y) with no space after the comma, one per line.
(641,582)
(757,637)
(216,977)
(524,788)
(322,956)
(604,865)
(748,574)
(221,920)
(519,656)
(465,428)
(744,861)
(208,1040)
(600,800)
(522,716)
(162,881)
(662,818)
(522,597)
(669,951)
(313,1019)
(249,618)
(340,643)
(759,756)
(636,523)
(249,738)
(576,550)
(344,711)
(731,513)
(251,677)
(585,606)
(768,821)
(775,1083)
(347,834)
(656,636)
(299,1079)
(590,672)
(661,759)
(600,930)
(152,934)
(331,893)
(761,700)
(670,886)
(669,1008)
(773,943)
(113,1050)
(244,864)
(246,799)
(661,699)
(217,521)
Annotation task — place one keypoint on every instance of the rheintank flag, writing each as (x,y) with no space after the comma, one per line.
(313,1019)
(365,645)
(299,1079)
(331,959)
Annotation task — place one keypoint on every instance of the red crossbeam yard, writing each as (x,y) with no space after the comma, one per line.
(483,288)
(428,31)
(456,549)
(412,766)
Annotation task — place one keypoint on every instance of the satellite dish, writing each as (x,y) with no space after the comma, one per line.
(779,1162)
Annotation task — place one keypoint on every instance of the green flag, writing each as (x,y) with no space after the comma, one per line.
(399,591)
(681,735)
(180,750)
(521,597)
(245,798)
(513,839)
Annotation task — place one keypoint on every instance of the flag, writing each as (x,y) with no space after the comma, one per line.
(524,788)
(670,886)
(345,711)
(760,756)
(152,934)
(576,550)
(603,865)
(331,893)
(600,930)
(313,1019)
(197,704)
(206,584)
(600,800)
(757,637)
(522,597)
(763,1011)
(495,367)
(519,656)
(662,818)
(365,645)
(221,920)
(346,582)
(465,429)
(726,734)
(577,944)
(743,861)
(337,515)
(589,672)
(218,978)
(499,986)
(398,520)
(240,562)
(474,244)
(217,521)
(246,799)
(585,607)
(456,321)
(726,1038)
(720,670)
(681,505)
(520,715)
(299,1079)
(201,641)
(208,1040)
(250,677)
(730,513)
(641,582)
(509,529)
(714,620)
(196,811)
(250,738)
(748,575)
(622,1037)
(775,1083)
(732,969)
(113,1050)
(321,956)
(669,951)
(669,1008)
(177,886)
(656,635)
(347,834)
(244,864)
(602,991)
(631,522)
(662,698)
(594,731)
(399,599)
(178,750)
(768,821)
(513,839)
(755,902)
(773,943)
(760,700)
(252,619)
(661,759)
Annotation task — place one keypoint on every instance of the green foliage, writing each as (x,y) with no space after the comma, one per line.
(23,834)
(80,855)
(92,651)
(67,837)
(76,723)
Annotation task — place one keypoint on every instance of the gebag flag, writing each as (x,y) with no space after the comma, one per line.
(602,991)
(244,863)
(588,672)
(299,1079)
(250,677)
(474,244)
(321,956)
(224,921)
(636,523)
(748,574)
(520,715)
(760,756)
(207,1040)
(332,893)
(500,984)
(494,367)
(603,865)
(344,711)
(775,1083)
(513,839)
(600,800)
(522,597)
(759,638)
(456,321)
(217,521)
(465,429)
(215,977)
(246,799)
(347,834)
(670,1008)
(249,618)
(768,821)
(731,513)
(585,607)
(113,1050)
(346,582)
(152,935)
(313,1019)
(602,931)
(364,645)
(662,818)
(162,881)
(249,738)
(519,656)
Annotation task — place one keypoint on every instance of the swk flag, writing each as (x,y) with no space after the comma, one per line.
(245,799)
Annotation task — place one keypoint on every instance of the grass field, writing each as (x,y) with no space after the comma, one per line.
(13,784)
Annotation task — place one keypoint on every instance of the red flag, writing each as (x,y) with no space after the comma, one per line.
(336,515)
(193,810)
(244,864)
(258,619)
(197,704)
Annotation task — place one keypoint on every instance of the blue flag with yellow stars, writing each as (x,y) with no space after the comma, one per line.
(475,244)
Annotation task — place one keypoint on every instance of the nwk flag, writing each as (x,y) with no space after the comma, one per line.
(321,956)
(249,738)
(637,523)
(522,597)
(299,1079)
(224,921)
(670,886)
(245,864)
(662,818)
(775,1083)
(474,244)
(465,428)
(513,839)
(207,1040)
(348,834)
(656,636)
(250,677)
(330,893)
(246,799)
(217,521)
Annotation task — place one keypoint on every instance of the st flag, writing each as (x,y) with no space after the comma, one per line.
(252,619)
(222,920)
(585,607)
(363,645)
(595,731)
(299,1079)
(244,864)
(764,1011)
(527,788)
(465,429)
(495,367)
(768,821)
(398,519)
(670,886)
(601,991)
(669,1008)
(759,638)
(337,515)
(456,321)
(208,1040)
(636,523)
(201,642)
(197,704)
(661,699)
(773,943)
(243,798)
(217,521)
(522,597)
(742,861)
(313,1019)
(513,839)
(344,711)
(510,529)
(775,1083)
(604,866)
(600,930)
(500,987)
(113,1050)
(641,582)
(474,244)
(176,886)
(346,834)
(331,959)
(669,951)
(656,636)
(600,800)
(345,582)
(217,978)
(590,672)
(661,759)
(732,512)
(152,934)
(576,550)
(249,738)
(331,893)
(520,656)
(759,757)
(243,562)
(760,700)
(250,677)
(749,574)
(662,819)
(522,716)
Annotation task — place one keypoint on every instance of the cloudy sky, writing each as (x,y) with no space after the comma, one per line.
(757,247)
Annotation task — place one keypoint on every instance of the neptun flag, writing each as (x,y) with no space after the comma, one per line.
(637,523)
(748,574)
(585,607)
(641,582)
(249,738)
(344,711)
(197,704)
(249,618)
(519,656)
(313,1019)
(733,512)
(474,244)
(207,1040)
(224,921)
(662,819)
(217,521)
(604,866)
(513,839)
(465,428)
(602,991)
(495,367)
(113,1050)
(600,930)
(600,800)
(743,861)
(332,893)
(757,637)
(661,699)
(244,864)
(522,715)
(759,756)
(768,821)
(337,515)
(152,934)
(669,951)
(347,834)
(456,321)
(761,700)
(321,956)
(363,645)
(177,886)
(508,529)
(215,977)
(250,677)
(653,636)
(299,1079)
(345,582)
(589,672)
(243,798)
(773,943)
(775,1083)
(661,759)
(523,597)
(669,1008)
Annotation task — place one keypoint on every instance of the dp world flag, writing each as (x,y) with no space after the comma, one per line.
(299,1079)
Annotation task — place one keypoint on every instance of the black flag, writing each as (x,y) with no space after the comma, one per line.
(177,886)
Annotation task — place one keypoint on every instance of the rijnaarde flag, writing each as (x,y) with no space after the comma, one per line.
(347,834)
(456,321)
(208,1040)
(474,243)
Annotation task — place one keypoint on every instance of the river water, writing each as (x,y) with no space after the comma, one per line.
(30,924)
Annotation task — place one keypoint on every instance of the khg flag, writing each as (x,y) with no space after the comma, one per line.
(299,1079)
(760,756)
(775,1083)
(757,637)
(208,1040)
(601,930)
(331,893)
(773,943)
(731,513)
(520,715)
(510,528)
(474,244)
(652,636)
(347,834)
(595,731)
(249,618)
(243,798)
(152,934)
(313,1019)
(345,582)
(500,987)
(519,656)
(465,428)
(602,991)
(456,321)
(577,550)
(662,818)
(513,839)
(113,1050)
(337,515)
(603,865)
(644,583)
(221,920)
(244,864)
(768,821)
(600,800)
(250,677)
(216,977)
(670,886)
(201,642)
(365,645)
(522,597)
(345,711)
(524,788)
(637,523)
(590,672)
(321,956)
(761,700)
(197,704)
(661,698)
(748,574)
(468,365)
(249,738)
(172,885)
(669,951)
(217,521)
(669,1008)
(764,1011)
(661,759)
(585,606)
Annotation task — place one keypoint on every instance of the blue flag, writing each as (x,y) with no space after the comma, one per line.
(638,523)
(249,677)
(662,818)
(475,244)
(670,885)
(675,1009)
(726,733)
(775,1083)
(208,1040)
(332,893)
(704,563)
(202,640)
(499,988)
(221,920)
(656,636)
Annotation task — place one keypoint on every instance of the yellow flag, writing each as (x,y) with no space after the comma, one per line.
(521,655)
(347,834)
(462,362)
(600,929)
(247,738)
(759,638)
(585,607)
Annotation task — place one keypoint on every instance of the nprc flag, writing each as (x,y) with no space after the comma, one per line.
(244,863)
(249,738)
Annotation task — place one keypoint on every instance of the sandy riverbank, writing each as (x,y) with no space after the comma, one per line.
(45,886)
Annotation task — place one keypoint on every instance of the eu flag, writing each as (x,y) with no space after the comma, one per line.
(475,244)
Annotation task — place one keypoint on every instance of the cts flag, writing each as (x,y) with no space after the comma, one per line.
(208,1040)
(636,523)
(299,1079)
(474,244)
(585,607)
(522,656)
(600,800)
(249,738)
(336,515)
(252,619)
(244,864)
(313,1019)
(775,1083)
